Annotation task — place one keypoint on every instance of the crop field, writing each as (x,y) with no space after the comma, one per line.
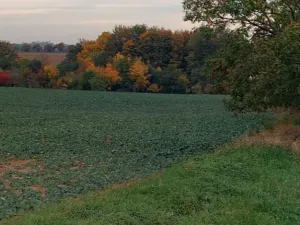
(50,58)
(58,144)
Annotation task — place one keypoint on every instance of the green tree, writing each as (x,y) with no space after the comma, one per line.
(259,17)
(49,47)
(8,55)
(101,59)
(232,49)
(122,64)
(35,65)
(72,52)
(202,44)
(60,46)
(269,75)
(170,81)
(180,50)
(70,64)
(25,47)
(155,47)
(37,48)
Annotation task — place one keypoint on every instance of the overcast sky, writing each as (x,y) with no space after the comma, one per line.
(69,20)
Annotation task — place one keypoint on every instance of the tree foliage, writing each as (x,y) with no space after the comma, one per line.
(269,75)
(139,74)
(259,17)
(8,55)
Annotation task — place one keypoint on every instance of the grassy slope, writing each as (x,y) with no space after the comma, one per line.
(88,140)
(247,185)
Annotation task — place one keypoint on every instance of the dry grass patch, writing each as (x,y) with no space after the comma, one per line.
(282,134)
(47,58)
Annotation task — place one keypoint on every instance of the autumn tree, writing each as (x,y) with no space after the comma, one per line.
(51,71)
(109,74)
(139,74)
(90,49)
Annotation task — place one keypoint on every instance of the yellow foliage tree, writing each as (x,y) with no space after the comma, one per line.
(89,48)
(102,40)
(154,88)
(118,57)
(183,79)
(51,71)
(139,74)
(64,82)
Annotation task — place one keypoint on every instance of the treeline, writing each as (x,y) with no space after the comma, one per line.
(131,58)
(249,49)
(41,47)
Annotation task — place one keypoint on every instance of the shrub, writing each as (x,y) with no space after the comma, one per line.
(5,79)
(154,88)
(196,89)
(64,82)
(98,83)
(210,89)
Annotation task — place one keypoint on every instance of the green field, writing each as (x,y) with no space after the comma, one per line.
(243,186)
(78,141)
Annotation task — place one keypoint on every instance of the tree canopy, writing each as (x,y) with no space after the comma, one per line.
(257,17)
(8,55)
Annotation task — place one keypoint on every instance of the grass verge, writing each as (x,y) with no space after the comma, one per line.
(245,185)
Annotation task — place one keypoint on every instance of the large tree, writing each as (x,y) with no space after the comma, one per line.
(155,47)
(257,17)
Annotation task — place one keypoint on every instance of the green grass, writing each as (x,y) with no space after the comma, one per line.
(247,185)
(87,140)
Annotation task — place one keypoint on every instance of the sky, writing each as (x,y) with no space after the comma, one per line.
(69,20)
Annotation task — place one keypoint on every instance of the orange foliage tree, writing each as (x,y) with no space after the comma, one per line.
(109,73)
(139,74)
(92,48)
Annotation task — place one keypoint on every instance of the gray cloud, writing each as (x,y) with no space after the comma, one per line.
(69,20)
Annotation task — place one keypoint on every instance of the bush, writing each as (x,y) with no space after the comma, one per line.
(98,83)
(153,88)
(64,82)
(5,79)
(196,89)
(210,89)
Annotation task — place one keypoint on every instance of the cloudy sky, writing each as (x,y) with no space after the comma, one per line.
(69,20)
